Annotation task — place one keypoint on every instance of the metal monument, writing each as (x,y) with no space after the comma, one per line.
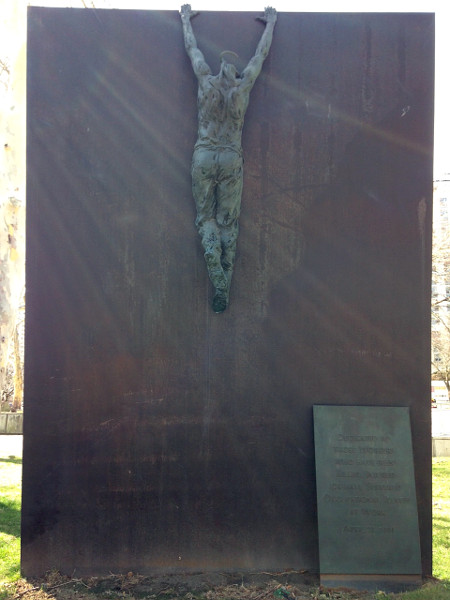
(217,163)
(183,440)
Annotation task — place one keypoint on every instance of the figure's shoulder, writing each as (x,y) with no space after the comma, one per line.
(241,90)
(208,83)
(204,80)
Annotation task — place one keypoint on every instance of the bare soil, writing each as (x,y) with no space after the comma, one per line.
(263,586)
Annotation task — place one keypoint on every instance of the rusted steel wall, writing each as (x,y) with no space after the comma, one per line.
(158,435)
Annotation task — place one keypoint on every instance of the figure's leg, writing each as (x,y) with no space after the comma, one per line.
(211,242)
(228,237)
(204,189)
(228,194)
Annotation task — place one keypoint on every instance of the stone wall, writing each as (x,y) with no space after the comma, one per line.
(441,447)
(11,423)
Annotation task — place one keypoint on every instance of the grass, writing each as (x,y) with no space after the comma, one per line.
(432,591)
(10,498)
(441,518)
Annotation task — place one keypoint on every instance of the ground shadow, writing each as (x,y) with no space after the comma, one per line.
(10,518)
(12,459)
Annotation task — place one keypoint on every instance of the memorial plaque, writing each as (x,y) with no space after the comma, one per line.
(366,495)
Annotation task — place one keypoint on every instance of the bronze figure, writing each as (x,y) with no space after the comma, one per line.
(217,160)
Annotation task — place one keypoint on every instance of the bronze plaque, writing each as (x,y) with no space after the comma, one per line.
(366,491)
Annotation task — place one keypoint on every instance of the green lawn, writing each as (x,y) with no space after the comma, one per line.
(441,518)
(10,477)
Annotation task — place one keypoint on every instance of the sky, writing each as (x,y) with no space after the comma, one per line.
(439,7)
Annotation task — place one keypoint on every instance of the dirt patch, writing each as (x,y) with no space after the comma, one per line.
(261,586)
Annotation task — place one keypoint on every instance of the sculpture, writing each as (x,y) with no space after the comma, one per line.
(217,160)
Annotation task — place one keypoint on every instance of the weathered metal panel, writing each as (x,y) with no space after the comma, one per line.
(159,436)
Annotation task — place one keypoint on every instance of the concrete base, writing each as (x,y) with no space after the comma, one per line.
(11,423)
(441,446)
(384,583)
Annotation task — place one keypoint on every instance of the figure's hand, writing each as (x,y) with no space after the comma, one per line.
(270,15)
(187,13)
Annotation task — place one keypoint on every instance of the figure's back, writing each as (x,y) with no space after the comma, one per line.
(221,111)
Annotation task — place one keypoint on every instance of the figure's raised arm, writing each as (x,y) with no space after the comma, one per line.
(200,66)
(253,69)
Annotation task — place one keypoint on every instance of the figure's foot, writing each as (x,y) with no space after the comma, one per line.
(220,301)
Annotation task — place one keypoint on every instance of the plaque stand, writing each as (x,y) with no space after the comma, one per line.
(387,583)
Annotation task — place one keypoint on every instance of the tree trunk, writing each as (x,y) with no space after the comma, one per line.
(12,176)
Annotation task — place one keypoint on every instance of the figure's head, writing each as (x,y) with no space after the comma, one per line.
(228,69)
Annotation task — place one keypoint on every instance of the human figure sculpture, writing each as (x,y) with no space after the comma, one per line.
(217,160)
